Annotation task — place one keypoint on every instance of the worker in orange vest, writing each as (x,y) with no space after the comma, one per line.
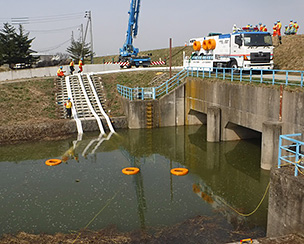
(60,72)
(80,64)
(264,28)
(296,26)
(279,27)
(260,27)
(274,29)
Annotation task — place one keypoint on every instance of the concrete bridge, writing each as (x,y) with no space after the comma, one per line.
(232,111)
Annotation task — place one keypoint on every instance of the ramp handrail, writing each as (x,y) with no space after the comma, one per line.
(290,151)
(90,105)
(74,113)
(99,104)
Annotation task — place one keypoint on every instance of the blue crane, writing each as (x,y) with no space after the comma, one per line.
(128,53)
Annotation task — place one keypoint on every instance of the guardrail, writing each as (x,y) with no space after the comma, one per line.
(142,93)
(273,77)
(290,151)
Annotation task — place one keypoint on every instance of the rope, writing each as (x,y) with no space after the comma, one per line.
(248,214)
(109,201)
(298,162)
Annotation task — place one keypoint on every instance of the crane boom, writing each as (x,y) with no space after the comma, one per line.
(128,53)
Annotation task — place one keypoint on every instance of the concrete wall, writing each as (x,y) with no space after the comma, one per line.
(167,111)
(52,71)
(286,203)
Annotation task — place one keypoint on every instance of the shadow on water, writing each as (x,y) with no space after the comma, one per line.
(222,177)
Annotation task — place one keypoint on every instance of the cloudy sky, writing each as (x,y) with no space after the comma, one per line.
(53,22)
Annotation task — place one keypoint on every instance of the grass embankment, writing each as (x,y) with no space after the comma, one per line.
(27,101)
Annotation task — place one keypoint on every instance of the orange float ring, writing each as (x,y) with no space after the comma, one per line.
(53,162)
(205,45)
(179,171)
(211,44)
(196,45)
(130,170)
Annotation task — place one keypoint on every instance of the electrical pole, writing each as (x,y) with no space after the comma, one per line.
(88,15)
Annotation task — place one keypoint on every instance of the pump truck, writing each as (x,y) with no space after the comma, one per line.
(246,48)
(128,53)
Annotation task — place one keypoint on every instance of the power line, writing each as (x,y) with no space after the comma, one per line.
(54,30)
(54,47)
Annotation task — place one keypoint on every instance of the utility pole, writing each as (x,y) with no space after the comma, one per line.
(170,61)
(88,15)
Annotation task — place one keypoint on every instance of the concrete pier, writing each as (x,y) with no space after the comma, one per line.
(213,124)
(271,132)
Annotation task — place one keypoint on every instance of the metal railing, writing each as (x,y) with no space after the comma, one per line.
(273,77)
(290,151)
(142,93)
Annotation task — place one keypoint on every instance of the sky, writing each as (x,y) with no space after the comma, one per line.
(52,23)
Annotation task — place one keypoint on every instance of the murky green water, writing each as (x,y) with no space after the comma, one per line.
(89,188)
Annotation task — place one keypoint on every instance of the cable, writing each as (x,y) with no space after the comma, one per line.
(247,215)
(53,48)
(54,30)
(109,201)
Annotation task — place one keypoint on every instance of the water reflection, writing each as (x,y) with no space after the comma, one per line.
(37,198)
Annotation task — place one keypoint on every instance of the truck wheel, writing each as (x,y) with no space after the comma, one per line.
(233,66)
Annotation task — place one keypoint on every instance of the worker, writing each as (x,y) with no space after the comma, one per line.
(274,29)
(248,26)
(279,27)
(286,30)
(68,107)
(60,72)
(291,28)
(80,64)
(296,27)
(234,29)
(72,69)
(260,27)
(264,28)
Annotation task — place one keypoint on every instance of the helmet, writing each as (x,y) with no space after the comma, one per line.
(295,21)
(61,67)
(278,21)
(291,20)
(69,98)
(260,23)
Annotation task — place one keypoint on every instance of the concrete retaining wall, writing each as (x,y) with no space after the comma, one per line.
(286,203)
(167,111)
(52,71)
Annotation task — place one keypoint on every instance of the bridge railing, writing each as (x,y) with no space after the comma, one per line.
(290,152)
(278,77)
(273,77)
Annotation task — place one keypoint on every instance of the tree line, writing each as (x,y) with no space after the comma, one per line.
(15,47)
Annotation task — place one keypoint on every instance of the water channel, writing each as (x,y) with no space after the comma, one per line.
(89,184)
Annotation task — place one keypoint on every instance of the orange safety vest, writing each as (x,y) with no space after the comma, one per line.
(60,72)
(80,63)
(72,64)
(279,26)
(261,28)
(274,30)
(296,26)
(264,29)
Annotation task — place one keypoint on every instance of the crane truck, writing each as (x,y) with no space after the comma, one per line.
(128,53)
(246,48)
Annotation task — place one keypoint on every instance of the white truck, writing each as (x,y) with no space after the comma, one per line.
(246,49)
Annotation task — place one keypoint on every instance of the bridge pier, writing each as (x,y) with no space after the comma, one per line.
(271,131)
(213,124)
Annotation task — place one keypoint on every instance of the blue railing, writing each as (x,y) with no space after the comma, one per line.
(142,93)
(290,151)
(274,77)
